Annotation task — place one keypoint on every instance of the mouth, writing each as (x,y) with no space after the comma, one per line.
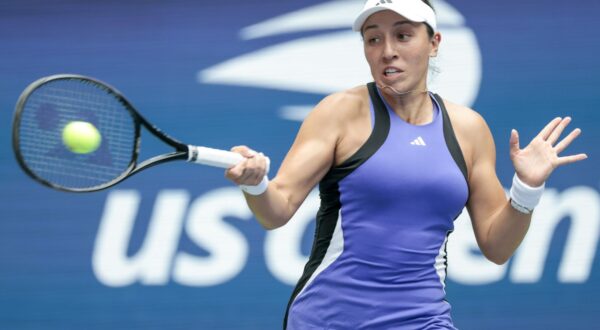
(391,71)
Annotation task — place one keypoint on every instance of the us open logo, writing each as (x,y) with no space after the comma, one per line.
(459,59)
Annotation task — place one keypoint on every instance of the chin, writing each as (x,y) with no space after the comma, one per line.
(395,85)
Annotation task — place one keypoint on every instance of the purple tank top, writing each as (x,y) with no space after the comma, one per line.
(378,260)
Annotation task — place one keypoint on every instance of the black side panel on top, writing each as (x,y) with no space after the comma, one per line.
(327,217)
(381,128)
(451,140)
(328,213)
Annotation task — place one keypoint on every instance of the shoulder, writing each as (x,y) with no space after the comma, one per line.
(466,121)
(341,121)
(334,112)
(347,103)
(472,132)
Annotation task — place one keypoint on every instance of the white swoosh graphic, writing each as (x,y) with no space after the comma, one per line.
(334,61)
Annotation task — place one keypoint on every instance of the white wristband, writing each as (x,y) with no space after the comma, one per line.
(258,189)
(523,197)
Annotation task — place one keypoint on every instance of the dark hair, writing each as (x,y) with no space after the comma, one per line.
(429,28)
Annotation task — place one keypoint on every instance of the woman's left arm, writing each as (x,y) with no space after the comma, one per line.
(499,227)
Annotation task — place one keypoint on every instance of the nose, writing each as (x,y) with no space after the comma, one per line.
(389,51)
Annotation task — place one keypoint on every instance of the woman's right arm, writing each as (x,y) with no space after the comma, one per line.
(309,159)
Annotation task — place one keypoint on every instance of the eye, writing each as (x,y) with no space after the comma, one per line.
(402,36)
(373,40)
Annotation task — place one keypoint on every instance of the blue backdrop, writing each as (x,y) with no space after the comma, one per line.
(176,248)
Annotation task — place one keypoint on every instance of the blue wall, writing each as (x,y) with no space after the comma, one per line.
(176,248)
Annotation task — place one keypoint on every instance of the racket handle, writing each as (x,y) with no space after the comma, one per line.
(213,157)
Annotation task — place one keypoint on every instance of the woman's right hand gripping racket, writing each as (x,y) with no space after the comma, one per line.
(75,133)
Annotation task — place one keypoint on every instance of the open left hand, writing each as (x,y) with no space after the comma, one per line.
(535,163)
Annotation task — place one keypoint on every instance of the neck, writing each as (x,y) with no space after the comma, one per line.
(413,106)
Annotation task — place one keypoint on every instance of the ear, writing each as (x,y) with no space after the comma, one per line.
(435,44)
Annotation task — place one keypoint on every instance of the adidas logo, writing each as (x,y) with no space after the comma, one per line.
(419,142)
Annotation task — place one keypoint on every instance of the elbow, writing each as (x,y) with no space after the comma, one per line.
(271,224)
(268,226)
(497,258)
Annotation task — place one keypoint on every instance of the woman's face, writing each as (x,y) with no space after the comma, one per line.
(398,50)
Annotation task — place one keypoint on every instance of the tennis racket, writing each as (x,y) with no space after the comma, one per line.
(49,104)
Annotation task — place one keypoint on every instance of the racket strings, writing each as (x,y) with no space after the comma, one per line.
(49,108)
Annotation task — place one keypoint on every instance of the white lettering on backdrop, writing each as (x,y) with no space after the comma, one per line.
(158,261)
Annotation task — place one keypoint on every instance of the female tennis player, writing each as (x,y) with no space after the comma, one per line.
(396,165)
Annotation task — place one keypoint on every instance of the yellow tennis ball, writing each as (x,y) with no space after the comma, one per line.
(81,137)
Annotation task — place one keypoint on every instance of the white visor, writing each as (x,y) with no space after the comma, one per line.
(413,10)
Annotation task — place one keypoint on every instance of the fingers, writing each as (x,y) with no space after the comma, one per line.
(571,159)
(545,133)
(562,145)
(249,172)
(244,151)
(558,130)
(514,142)
(254,171)
(246,173)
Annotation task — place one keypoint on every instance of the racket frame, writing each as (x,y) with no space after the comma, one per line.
(180,153)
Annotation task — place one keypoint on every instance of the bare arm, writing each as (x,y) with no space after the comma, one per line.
(308,160)
(499,228)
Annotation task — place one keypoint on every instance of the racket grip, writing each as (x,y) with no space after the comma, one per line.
(213,157)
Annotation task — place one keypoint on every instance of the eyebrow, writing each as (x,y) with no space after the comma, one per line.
(374,26)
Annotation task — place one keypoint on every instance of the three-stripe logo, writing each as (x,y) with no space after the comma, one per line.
(418,142)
